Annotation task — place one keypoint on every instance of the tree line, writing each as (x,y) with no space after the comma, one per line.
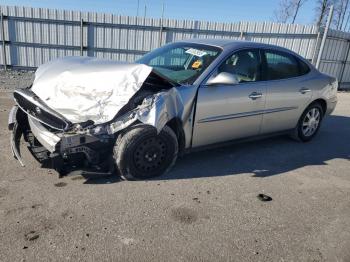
(287,12)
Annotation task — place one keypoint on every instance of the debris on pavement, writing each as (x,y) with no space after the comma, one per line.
(264,198)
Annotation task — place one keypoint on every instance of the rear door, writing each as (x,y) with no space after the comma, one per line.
(226,112)
(287,92)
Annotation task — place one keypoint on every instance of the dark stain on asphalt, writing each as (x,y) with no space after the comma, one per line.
(3,192)
(60,184)
(35,206)
(67,214)
(184,215)
(196,199)
(31,236)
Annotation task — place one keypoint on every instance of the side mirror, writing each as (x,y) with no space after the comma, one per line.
(223,78)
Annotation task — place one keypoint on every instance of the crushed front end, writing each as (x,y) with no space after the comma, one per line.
(77,107)
(58,143)
(53,140)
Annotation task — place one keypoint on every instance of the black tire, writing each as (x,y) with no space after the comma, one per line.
(141,153)
(300,133)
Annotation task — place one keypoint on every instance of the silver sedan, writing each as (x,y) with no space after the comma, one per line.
(184,95)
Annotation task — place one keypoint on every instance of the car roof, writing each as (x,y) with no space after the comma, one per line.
(233,44)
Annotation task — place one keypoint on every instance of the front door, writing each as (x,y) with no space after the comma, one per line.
(226,112)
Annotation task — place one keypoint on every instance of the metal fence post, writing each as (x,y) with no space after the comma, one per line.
(241,35)
(161,34)
(161,27)
(344,63)
(314,55)
(90,39)
(81,37)
(3,42)
(324,37)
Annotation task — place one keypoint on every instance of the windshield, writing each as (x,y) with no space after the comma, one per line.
(182,63)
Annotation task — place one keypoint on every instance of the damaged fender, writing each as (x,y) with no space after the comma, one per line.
(164,107)
(155,110)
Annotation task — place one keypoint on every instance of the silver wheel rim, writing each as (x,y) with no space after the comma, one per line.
(311,121)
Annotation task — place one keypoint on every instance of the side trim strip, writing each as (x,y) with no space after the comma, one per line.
(245,114)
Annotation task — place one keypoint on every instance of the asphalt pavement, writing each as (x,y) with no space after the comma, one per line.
(205,209)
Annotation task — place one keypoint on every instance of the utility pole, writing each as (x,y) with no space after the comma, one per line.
(324,37)
(346,23)
(343,15)
(323,11)
(138,7)
(163,7)
(161,26)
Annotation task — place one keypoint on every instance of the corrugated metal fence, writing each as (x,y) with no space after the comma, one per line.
(32,36)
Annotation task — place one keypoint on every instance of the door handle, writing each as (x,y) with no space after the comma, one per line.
(304,90)
(255,95)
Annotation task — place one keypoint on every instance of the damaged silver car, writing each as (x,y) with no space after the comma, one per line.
(83,111)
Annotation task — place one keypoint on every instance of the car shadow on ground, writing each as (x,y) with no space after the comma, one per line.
(262,158)
(268,157)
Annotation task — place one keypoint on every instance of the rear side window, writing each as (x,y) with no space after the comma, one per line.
(280,66)
(303,68)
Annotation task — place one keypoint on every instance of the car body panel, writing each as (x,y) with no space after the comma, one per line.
(225,112)
(285,102)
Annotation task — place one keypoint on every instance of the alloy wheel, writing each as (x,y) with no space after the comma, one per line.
(311,121)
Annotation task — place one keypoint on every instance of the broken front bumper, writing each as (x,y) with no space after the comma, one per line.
(58,145)
(46,138)
(15,135)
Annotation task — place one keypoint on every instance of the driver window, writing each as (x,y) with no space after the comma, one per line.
(243,64)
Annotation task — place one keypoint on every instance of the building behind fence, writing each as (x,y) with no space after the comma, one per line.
(32,36)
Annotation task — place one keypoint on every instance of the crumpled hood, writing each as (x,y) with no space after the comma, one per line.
(85,88)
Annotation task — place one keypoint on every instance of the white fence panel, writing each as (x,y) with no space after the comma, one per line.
(36,35)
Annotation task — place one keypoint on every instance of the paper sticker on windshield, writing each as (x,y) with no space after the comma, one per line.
(196,52)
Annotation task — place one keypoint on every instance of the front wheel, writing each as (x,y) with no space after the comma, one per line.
(309,122)
(141,153)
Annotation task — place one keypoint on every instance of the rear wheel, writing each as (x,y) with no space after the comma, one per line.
(309,122)
(141,153)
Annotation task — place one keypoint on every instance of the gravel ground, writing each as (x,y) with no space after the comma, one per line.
(205,209)
(12,79)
